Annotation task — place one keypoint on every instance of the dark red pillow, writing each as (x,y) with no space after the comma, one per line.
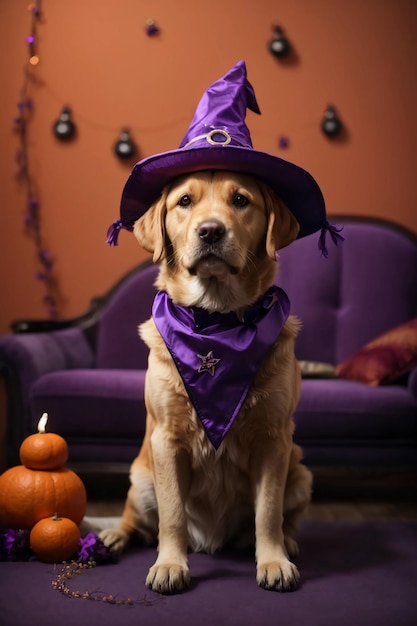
(385,359)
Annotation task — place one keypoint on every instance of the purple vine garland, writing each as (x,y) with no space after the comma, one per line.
(32,217)
(15,546)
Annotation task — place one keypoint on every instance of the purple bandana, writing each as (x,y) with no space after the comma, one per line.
(217,355)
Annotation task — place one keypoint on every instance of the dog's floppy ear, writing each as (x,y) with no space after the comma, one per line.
(282,228)
(149,229)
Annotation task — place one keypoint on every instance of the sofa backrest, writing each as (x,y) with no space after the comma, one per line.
(118,343)
(367,285)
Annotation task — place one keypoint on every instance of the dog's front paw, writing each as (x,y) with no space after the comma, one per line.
(167,578)
(278,576)
(115,539)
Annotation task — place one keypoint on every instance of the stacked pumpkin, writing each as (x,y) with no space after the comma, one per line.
(44,496)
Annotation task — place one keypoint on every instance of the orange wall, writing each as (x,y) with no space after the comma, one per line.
(96,57)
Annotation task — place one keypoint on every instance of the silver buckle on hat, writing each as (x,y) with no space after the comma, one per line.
(210,138)
(218,131)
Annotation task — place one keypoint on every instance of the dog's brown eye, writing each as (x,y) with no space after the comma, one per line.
(184,201)
(240,201)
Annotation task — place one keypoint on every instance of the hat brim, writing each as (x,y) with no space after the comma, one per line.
(294,185)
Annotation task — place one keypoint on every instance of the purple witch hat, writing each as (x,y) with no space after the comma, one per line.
(218,138)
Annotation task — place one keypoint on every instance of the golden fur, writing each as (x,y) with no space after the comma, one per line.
(253,489)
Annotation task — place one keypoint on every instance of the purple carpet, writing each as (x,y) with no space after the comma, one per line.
(353,573)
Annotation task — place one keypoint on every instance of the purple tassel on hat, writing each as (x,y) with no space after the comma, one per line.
(113,233)
(334,234)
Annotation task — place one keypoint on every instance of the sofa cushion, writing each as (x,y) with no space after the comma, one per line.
(345,411)
(91,404)
(109,405)
(385,359)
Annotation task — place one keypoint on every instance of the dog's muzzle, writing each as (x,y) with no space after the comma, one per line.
(213,257)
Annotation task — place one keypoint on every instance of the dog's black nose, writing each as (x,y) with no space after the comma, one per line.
(211,232)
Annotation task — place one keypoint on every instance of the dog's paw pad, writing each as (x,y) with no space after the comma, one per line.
(278,576)
(168,578)
(114,539)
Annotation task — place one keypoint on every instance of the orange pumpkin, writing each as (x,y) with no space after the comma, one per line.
(45,451)
(54,539)
(27,496)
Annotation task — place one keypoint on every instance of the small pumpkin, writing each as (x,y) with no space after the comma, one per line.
(44,450)
(54,539)
(27,496)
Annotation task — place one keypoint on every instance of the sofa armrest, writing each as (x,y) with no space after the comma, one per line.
(26,357)
(85,321)
(412,382)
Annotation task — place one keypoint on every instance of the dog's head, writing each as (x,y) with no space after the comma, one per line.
(216,234)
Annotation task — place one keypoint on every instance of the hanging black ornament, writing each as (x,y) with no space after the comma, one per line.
(331,124)
(125,147)
(279,46)
(64,128)
(152,28)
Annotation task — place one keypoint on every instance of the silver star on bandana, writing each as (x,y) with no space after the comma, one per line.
(208,363)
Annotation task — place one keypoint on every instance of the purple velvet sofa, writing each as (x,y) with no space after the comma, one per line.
(88,372)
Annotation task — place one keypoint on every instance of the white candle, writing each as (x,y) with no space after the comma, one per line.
(42,423)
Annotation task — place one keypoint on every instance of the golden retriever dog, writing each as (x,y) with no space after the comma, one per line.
(215,236)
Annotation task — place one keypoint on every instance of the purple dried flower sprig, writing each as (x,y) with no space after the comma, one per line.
(15,546)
